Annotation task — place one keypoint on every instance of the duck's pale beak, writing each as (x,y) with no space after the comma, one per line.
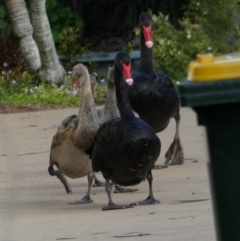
(75,86)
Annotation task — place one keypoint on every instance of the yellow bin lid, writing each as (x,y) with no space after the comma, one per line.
(213,68)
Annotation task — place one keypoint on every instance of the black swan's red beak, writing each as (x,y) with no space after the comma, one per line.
(147,32)
(127,73)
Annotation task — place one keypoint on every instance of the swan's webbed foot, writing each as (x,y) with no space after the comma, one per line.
(84,200)
(150,199)
(147,201)
(112,206)
(119,189)
(174,155)
(160,166)
(98,183)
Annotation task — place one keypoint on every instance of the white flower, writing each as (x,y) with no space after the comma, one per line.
(68,91)
(161,41)
(178,82)
(209,48)
(26,90)
(40,87)
(52,84)
(74,93)
(189,36)
(14,82)
(4,72)
(35,87)
(198,3)
(96,74)
(102,80)
(31,91)
(69,72)
(62,87)
(5,64)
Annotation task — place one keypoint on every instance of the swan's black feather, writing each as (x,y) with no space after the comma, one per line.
(125,152)
(152,96)
(154,99)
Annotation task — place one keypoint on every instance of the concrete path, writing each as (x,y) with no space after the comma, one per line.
(34,205)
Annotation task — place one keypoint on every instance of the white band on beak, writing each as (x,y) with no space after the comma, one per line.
(149,44)
(129,81)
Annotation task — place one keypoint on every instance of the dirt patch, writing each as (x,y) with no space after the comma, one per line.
(6,108)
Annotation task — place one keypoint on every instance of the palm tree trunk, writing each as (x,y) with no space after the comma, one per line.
(23,29)
(51,69)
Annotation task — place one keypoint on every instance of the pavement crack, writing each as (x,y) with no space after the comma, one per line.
(65,238)
(132,235)
(181,218)
(32,153)
(188,201)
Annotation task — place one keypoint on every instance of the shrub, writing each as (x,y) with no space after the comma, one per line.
(69,48)
(11,61)
(207,26)
(60,18)
(25,90)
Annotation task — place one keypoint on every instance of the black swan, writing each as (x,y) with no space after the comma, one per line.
(109,112)
(75,133)
(125,149)
(153,96)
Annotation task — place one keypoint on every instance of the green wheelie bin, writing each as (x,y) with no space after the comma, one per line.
(212,90)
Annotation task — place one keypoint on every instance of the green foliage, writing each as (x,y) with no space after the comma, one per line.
(5,27)
(65,26)
(100,94)
(207,26)
(91,67)
(174,49)
(11,60)
(61,18)
(69,48)
(11,86)
(25,90)
(128,48)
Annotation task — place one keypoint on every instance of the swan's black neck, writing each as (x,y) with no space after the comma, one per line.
(146,64)
(123,104)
